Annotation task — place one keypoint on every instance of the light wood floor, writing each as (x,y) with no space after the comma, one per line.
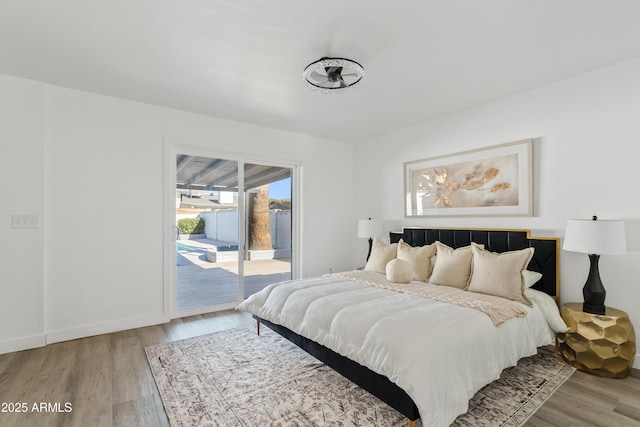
(107,381)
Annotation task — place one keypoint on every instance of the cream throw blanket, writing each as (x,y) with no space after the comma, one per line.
(498,309)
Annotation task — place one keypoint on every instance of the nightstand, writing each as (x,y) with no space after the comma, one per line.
(603,345)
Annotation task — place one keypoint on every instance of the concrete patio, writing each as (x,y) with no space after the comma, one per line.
(202,283)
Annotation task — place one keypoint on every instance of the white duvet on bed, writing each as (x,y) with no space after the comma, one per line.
(440,354)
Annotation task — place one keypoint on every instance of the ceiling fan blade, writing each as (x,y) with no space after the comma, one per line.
(350,74)
(343,84)
(320,78)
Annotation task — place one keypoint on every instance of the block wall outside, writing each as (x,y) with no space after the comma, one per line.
(223,225)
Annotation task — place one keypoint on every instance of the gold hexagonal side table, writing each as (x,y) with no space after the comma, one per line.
(603,345)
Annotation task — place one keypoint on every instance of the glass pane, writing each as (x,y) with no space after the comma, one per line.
(268,226)
(207,219)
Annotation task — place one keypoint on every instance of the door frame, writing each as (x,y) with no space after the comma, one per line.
(171,150)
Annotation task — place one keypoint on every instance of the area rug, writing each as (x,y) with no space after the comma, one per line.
(237,378)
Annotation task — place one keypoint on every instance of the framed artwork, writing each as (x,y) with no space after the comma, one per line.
(490,181)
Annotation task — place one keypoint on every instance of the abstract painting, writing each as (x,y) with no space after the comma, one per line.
(489,181)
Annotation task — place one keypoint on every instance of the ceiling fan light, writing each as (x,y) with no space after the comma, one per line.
(341,75)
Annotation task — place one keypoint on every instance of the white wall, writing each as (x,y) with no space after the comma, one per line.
(77,160)
(21,192)
(586,130)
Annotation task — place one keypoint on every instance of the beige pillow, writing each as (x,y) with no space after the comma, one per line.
(399,271)
(381,254)
(452,266)
(500,274)
(419,259)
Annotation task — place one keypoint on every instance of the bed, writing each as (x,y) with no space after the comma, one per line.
(417,354)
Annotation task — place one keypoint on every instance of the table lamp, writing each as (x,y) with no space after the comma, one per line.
(595,237)
(369,228)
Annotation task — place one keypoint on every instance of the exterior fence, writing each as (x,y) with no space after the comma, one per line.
(281,232)
(223,225)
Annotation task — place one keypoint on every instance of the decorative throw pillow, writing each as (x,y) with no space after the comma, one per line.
(418,257)
(381,254)
(530,278)
(500,274)
(399,271)
(452,266)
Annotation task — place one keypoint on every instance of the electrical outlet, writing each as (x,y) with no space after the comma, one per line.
(24,221)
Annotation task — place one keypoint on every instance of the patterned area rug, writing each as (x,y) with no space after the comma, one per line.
(237,378)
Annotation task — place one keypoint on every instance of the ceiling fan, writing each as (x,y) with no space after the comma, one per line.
(333,75)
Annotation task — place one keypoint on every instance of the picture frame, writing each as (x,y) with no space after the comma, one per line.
(490,181)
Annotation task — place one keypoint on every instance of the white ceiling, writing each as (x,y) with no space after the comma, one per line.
(243,59)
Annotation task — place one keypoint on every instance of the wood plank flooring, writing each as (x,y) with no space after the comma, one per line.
(107,381)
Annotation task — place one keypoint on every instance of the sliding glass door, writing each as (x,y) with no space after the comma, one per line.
(208,233)
(268,214)
(233,231)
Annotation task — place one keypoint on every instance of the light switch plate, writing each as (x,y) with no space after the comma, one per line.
(24,221)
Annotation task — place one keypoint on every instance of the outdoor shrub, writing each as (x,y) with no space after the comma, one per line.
(191,225)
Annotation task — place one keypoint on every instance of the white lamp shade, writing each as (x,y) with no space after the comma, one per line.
(370,228)
(601,237)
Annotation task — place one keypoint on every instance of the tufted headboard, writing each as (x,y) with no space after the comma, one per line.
(545,257)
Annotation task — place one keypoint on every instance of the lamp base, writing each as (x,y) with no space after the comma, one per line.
(593,291)
(594,308)
(370,246)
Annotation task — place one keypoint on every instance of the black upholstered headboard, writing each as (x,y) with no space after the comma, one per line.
(545,256)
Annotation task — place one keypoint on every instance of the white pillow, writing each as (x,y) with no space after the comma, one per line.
(418,257)
(530,278)
(381,254)
(500,274)
(399,271)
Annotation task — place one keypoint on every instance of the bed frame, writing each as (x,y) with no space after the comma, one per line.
(545,261)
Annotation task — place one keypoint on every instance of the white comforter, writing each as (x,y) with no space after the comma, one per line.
(440,354)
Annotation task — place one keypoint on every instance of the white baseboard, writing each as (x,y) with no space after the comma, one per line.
(35,341)
(22,343)
(104,328)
